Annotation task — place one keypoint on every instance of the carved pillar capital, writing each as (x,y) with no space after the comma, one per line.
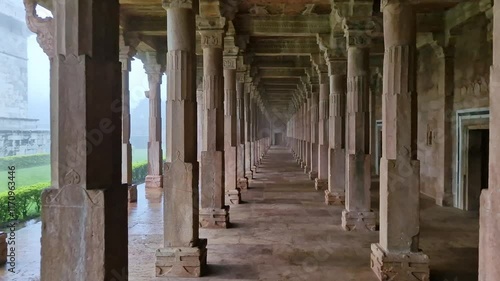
(229,62)
(183,4)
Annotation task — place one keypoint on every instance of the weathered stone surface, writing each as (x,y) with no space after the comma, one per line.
(359,221)
(94,214)
(320,184)
(233,197)
(213,212)
(3,248)
(334,198)
(413,266)
(214,218)
(182,261)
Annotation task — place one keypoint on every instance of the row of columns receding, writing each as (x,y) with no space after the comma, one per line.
(85,211)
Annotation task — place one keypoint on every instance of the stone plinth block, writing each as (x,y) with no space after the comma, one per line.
(359,221)
(214,218)
(182,261)
(306,169)
(399,266)
(89,216)
(132,193)
(243,183)
(254,169)
(3,248)
(313,175)
(233,197)
(489,230)
(249,174)
(154,181)
(336,198)
(320,184)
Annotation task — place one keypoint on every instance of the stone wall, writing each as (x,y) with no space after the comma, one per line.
(13,60)
(469,89)
(430,91)
(24,142)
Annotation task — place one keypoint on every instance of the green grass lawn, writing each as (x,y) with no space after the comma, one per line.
(33,175)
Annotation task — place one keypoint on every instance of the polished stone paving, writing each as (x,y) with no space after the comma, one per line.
(282,231)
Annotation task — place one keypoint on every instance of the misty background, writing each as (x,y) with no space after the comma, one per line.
(39,91)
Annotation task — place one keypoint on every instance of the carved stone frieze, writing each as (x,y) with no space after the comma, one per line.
(186,4)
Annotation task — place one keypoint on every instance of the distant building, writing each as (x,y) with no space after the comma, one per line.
(18,134)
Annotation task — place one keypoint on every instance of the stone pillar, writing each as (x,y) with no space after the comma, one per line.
(184,254)
(335,195)
(253,131)
(84,213)
(242,180)
(153,69)
(313,141)
(248,115)
(489,230)
(126,53)
(321,182)
(307,134)
(213,213)
(233,195)
(358,214)
(397,255)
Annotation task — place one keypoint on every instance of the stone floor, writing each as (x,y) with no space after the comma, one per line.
(283,231)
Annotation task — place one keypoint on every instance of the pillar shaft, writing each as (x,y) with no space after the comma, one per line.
(125,58)
(357,215)
(248,115)
(153,69)
(400,169)
(489,230)
(84,213)
(323,142)
(213,212)
(335,195)
(230,131)
(307,134)
(184,254)
(240,138)
(313,143)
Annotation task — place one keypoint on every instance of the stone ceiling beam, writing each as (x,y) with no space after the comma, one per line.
(282,25)
(284,47)
(280,73)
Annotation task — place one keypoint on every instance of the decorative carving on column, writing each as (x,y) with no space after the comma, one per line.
(184,254)
(358,214)
(154,70)
(213,212)
(126,54)
(87,188)
(397,255)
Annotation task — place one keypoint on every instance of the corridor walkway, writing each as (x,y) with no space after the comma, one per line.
(283,231)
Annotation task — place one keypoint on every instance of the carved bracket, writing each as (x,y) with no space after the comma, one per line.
(44,28)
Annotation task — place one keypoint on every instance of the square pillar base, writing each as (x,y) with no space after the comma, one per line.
(249,175)
(182,261)
(399,266)
(132,193)
(154,181)
(359,221)
(214,218)
(254,169)
(306,169)
(320,184)
(313,175)
(3,248)
(233,197)
(336,198)
(242,183)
